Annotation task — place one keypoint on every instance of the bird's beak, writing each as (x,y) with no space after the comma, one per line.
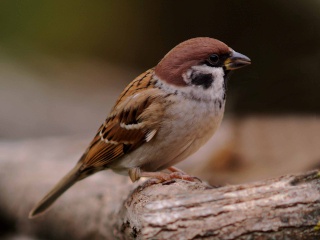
(236,60)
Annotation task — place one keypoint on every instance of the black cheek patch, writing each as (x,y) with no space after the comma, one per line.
(204,80)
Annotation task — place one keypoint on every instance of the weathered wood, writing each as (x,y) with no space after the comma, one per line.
(282,208)
(105,206)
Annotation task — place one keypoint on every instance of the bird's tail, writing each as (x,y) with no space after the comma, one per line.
(64,184)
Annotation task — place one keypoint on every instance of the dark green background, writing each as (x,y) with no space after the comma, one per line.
(281,37)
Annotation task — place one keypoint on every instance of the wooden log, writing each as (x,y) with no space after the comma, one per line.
(282,208)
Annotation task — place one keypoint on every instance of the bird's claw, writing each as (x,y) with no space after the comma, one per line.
(179,175)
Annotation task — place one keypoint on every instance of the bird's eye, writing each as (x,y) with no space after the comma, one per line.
(214,59)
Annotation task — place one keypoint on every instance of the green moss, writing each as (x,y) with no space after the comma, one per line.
(308,177)
(317,227)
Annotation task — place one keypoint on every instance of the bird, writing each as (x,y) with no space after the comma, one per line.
(164,115)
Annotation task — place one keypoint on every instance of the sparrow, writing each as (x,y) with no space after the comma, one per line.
(163,116)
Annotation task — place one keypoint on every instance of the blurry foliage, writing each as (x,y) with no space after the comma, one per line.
(281,37)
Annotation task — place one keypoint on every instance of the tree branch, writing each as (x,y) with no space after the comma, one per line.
(274,209)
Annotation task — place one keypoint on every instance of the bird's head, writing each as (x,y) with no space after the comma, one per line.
(199,62)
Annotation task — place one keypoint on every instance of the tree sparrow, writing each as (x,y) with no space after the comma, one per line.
(163,116)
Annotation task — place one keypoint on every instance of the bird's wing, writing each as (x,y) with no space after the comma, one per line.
(134,120)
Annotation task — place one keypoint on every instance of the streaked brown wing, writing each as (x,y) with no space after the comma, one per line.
(132,122)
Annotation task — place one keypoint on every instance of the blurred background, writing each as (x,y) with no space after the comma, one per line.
(63,63)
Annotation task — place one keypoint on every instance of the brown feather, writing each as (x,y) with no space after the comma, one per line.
(132,122)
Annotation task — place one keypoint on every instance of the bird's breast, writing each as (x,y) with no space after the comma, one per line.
(194,120)
(186,126)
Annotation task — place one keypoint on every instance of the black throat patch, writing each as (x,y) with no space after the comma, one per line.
(205,80)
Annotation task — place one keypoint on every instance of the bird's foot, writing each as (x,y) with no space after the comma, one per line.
(183,176)
(175,169)
(135,174)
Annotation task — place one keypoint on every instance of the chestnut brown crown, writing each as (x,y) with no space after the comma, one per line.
(187,54)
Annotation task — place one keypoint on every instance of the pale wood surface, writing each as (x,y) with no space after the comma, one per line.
(281,208)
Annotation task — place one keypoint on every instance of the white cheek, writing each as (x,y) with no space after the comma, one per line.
(216,91)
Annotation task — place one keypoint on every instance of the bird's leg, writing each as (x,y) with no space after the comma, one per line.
(175,169)
(178,173)
(135,174)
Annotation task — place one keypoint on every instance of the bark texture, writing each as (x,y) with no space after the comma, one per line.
(283,208)
(108,206)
